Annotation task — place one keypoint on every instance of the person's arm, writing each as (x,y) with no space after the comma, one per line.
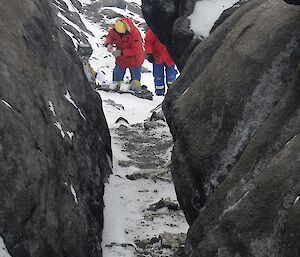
(149,42)
(110,38)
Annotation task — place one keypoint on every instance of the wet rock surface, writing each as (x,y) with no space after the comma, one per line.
(234,115)
(54,140)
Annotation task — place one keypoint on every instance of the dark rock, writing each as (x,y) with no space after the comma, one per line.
(123,245)
(227,13)
(172,240)
(136,176)
(114,104)
(180,252)
(78,36)
(234,116)
(76,4)
(121,120)
(296,2)
(154,174)
(151,124)
(49,149)
(168,20)
(111,14)
(154,240)
(92,9)
(143,145)
(75,18)
(142,243)
(162,203)
(157,116)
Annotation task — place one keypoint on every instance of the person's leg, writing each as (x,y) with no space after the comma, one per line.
(135,73)
(118,73)
(159,78)
(171,73)
(135,78)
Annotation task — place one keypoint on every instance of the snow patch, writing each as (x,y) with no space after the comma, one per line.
(109,160)
(206,13)
(57,6)
(297,199)
(74,193)
(7,104)
(68,97)
(71,35)
(59,126)
(3,249)
(234,206)
(70,134)
(70,6)
(60,15)
(51,107)
(291,140)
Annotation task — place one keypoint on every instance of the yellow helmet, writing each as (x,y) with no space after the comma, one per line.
(120,27)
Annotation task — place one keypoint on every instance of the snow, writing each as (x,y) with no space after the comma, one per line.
(59,126)
(70,6)
(51,107)
(206,13)
(68,97)
(3,250)
(7,104)
(125,200)
(139,2)
(74,193)
(135,109)
(70,134)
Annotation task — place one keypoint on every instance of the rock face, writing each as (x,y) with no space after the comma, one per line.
(54,140)
(167,18)
(234,114)
(296,2)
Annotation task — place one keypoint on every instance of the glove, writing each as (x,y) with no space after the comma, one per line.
(109,48)
(117,53)
(150,58)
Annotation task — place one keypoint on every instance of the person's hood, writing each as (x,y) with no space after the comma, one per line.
(129,23)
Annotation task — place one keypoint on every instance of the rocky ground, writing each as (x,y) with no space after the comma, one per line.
(147,147)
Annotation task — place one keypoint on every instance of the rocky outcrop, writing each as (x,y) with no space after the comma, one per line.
(168,20)
(234,114)
(54,140)
(296,2)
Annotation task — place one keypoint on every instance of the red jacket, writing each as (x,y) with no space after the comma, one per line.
(130,44)
(157,49)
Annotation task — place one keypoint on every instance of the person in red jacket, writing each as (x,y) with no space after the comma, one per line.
(129,53)
(163,65)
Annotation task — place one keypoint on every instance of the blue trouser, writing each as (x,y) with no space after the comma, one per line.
(159,71)
(119,72)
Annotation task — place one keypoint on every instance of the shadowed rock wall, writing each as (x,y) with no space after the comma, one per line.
(167,18)
(234,113)
(54,140)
